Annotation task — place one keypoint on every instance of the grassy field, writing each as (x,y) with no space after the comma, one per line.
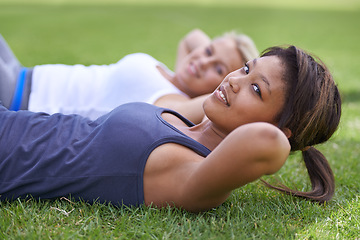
(90,32)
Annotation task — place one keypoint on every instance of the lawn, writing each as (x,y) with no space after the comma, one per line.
(101,32)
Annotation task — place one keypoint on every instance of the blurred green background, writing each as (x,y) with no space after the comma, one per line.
(95,31)
(103,31)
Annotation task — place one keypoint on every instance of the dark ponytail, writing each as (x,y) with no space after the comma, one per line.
(321,177)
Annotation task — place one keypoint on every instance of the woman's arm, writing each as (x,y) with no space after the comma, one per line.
(246,154)
(192,40)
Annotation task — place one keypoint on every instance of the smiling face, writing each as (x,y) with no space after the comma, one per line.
(206,66)
(255,93)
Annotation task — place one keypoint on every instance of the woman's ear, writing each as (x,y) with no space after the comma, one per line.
(287,132)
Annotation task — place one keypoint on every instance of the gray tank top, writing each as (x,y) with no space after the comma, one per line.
(50,156)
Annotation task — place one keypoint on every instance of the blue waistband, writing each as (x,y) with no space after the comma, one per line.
(19,89)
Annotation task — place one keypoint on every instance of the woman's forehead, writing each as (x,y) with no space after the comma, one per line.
(270,67)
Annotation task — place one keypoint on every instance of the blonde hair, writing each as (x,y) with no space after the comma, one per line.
(245,45)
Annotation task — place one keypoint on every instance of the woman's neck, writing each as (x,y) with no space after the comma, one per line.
(165,73)
(204,133)
(171,78)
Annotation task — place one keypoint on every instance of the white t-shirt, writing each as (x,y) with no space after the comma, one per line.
(95,90)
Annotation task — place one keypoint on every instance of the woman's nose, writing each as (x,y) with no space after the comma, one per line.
(234,83)
(205,62)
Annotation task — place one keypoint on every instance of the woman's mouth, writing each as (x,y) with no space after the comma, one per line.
(221,93)
(193,70)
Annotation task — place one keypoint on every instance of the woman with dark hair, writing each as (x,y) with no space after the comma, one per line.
(142,154)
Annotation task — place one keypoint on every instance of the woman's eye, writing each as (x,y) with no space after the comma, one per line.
(219,70)
(208,51)
(246,69)
(257,89)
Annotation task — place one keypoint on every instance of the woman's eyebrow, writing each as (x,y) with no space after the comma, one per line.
(263,78)
(213,49)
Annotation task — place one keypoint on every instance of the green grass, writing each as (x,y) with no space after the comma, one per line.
(92,33)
